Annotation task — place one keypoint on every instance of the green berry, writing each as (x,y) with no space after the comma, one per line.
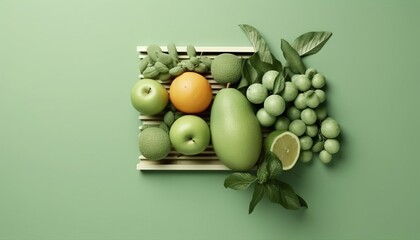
(308,116)
(325,157)
(332,146)
(298,127)
(306,156)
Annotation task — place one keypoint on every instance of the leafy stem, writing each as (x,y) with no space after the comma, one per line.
(266,183)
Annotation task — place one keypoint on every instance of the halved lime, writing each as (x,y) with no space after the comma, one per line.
(285,145)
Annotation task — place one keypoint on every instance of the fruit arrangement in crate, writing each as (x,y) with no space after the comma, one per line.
(235,108)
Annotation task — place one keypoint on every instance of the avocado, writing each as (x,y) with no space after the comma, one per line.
(235,130)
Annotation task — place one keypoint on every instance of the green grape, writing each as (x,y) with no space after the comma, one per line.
(321,95)
(310,72)
(312,130)
(306,156)
(318,146)
(321,112)
(332,145)
(298,127)
(302,82)
(312,99)
(293,113)
(300,101)
(325,157)
(308,116)
(274,105)
(330,128)
(269,78)
(282,123)
(306,142)
(256,93)
(265,119)
(318,81)
(290,92)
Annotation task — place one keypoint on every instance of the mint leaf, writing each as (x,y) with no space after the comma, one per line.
(274,166)
(288,198)
(262,172)
(292,57)
(249,73)
(239,181)
(256,197)
(311,42)
(272,191)
(258,42)
(279,82)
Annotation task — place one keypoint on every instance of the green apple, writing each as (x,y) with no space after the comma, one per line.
(149,97)
(190,135)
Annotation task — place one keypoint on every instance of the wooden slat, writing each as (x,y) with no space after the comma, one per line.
(206,160)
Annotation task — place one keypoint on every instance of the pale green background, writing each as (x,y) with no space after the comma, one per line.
(68,134)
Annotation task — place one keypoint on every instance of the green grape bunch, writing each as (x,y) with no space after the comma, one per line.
(307,117)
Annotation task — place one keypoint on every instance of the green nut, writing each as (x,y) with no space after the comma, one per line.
(195,60)
(201,68)
(318,147)
(178,114)
(162,68)
(150,72)
(176,71)
(172,51)
(169,118)
(164,77)
(153,51)
(191,51)
(144,63)
(207,61)
(165,127)
(166,59)
(189,65)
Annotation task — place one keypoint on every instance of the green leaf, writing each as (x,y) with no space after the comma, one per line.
(262,172)
(250,73)
(292,57)
(262,66)
(274,166)
(283,194)
(272,191)
(289,199)
(258,42)
(311,42)
(302,202)
(256,197)
(279,82)
(239,181)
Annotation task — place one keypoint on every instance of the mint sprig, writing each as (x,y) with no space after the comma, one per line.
(266,183)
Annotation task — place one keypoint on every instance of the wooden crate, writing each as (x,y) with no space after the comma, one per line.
(206,160)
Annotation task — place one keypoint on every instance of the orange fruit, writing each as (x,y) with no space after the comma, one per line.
(190,92)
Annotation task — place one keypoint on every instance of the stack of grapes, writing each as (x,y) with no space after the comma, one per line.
(299,108)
